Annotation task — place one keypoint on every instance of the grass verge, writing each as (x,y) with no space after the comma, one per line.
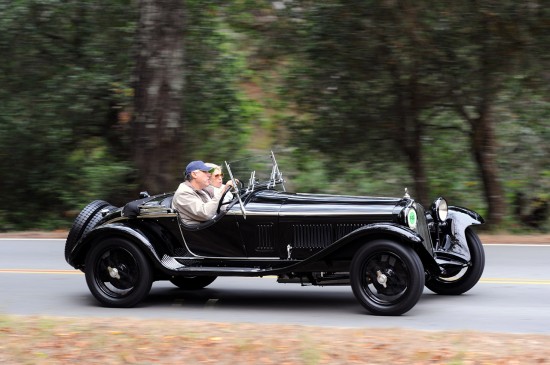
(54,340)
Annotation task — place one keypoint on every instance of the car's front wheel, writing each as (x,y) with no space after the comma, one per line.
(118,273)
(192,282)
(386,277)
(461,280)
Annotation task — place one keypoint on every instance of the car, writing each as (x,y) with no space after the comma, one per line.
(386,248)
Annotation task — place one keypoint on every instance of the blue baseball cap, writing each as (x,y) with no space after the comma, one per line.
(197,165)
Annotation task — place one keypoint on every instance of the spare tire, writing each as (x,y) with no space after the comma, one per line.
(88,218)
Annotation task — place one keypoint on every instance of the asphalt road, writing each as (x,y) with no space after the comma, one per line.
(512,296)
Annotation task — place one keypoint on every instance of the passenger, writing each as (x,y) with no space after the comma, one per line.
(190,199)
(217,186)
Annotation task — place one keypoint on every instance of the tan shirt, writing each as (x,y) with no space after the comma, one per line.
(194,206)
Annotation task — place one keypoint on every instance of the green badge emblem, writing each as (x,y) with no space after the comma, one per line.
(411,218)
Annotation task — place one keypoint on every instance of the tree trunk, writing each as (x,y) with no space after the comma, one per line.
(408,135)
(416,165)
(484,150)
(156,130)
(411,145)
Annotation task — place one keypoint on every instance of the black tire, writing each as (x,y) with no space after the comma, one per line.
(399,265)
(118,273)
(192,282)
(464,280)
(88,218)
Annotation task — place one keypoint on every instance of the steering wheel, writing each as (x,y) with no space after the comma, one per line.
(223,197)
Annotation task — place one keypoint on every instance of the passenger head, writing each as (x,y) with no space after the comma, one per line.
(216,177)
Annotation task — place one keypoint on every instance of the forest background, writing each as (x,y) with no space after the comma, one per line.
(102,99)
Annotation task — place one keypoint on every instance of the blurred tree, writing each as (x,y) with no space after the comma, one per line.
(371,95)
(186,108)
(62,79)
(485,46)
(156,128)
(218,114)
(367,71)
(362,76)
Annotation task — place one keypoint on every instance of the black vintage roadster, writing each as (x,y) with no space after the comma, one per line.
(387,249)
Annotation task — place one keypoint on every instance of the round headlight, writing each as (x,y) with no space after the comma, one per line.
(411,218)
(440,209)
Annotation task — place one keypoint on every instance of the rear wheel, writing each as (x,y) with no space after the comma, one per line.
(386,277)
(462,279)
(118,273)
(192,282)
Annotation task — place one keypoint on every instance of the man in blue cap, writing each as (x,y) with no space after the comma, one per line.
(194,204)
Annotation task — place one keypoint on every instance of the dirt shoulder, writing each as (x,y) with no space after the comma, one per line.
(502,238)
(51,340)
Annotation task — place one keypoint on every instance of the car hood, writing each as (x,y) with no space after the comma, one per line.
(306,198)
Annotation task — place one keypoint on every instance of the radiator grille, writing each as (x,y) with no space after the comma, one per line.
(422,228)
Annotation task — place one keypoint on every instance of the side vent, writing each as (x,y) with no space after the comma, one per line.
(344,229)
(312,235)
(265,237)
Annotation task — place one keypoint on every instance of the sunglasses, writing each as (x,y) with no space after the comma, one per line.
(218,175)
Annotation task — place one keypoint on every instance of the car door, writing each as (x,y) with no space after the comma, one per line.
(259,228)
(221,239)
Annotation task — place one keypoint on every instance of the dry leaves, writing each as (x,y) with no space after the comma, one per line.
(47,340)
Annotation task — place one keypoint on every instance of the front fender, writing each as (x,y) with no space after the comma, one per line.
(454,245)
(347,245)
(386,229)
(78,255)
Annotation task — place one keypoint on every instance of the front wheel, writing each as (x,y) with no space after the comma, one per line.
(118,273)
(387,278)
(462,280)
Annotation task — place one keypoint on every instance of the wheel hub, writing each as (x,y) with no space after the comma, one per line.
(381,278)
(113,272)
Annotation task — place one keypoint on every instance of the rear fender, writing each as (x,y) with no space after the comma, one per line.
(78,255)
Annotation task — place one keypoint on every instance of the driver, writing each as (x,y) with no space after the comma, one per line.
(190,200)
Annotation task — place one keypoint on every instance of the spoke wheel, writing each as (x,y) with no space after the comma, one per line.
(192,282)
(387,278)
(118,273)
(461,280)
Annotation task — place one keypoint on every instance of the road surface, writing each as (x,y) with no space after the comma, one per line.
(512,296)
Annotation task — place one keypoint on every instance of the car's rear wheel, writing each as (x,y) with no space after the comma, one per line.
(118,273)
(86,220)
(192,282)
(387,278)
(463,279)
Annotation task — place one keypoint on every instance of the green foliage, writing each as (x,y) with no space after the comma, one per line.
(305,171)
(217,114)
(452,171)
(61,63)
(347,87)
(524,153)
(371,81)
(93,174)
